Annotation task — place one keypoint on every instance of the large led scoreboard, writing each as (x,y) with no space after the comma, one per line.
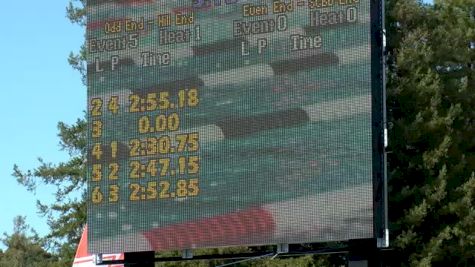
(226,123)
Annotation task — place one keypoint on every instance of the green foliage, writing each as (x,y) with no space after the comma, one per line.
(431,95)
(67,215)
(267,260)
(303,261)
(76,13)
(25,248)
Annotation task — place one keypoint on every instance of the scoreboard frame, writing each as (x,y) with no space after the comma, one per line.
(379,144)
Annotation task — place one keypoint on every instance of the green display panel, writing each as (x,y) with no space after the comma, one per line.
(226,123)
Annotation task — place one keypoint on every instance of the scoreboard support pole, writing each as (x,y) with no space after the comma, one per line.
(139,259)
(364,253)
(187,254)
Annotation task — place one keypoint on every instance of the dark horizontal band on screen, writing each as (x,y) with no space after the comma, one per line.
(241,127)
(280,67)
(218,46)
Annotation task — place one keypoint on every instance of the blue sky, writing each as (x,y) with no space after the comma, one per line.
(37,90)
